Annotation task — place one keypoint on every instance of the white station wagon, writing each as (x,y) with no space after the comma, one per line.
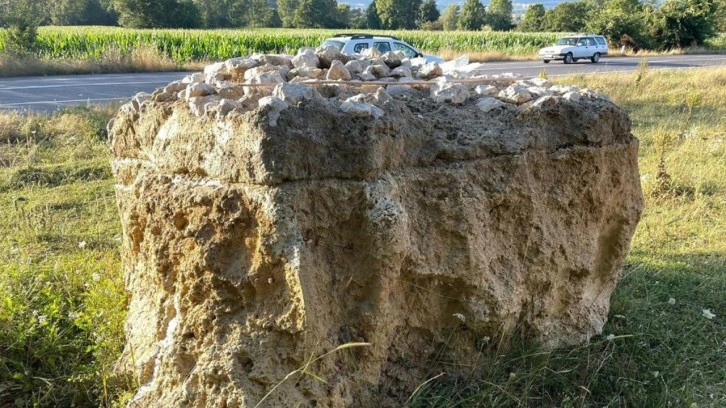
(571,49)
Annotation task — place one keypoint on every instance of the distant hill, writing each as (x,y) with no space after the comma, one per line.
(519,6)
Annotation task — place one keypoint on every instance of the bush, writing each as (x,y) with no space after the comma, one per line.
(682,23)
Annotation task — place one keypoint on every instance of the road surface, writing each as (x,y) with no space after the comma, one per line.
(49,93)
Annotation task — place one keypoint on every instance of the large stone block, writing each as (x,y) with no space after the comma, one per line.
(429,232)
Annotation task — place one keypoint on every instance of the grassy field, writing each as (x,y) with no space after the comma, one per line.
(114,49)
(67,50)
(62,303)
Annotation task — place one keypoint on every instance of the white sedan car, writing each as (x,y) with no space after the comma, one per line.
(571,49)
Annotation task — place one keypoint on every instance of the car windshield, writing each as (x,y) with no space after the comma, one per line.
(332,43)
(567,41)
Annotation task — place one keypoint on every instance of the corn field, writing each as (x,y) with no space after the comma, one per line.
(78,43)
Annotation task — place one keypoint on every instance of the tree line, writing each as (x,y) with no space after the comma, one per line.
(649,24)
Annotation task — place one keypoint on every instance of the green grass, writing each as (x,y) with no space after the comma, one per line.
(62,304)
(61,294)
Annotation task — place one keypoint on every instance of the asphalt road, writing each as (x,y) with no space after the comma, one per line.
(49,93)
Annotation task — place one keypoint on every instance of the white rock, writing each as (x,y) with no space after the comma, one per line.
(561,89)
(229,89)
(538,91)
(469,70)
(276,105)
(572,96)
(448,92)
(306,59)
(401,72)
(238,66)
(429,71)
(193,78)
(257,71)
(226,106)
(338,71)
(198,89)
(272,77)
(516,94)
(546,101)
(455,64)
(214,69)
(357,66)
(593,95)
(535,81)
(487,104)
(367,76)
(393,58)
(361,109)
(200,105)
(328,54)
(370,53)
(175,87)
(139,99)
(293,94)
(486,90)
(279,60)
(305,72)
(378,70)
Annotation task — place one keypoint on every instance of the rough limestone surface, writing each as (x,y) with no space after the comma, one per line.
(263,232)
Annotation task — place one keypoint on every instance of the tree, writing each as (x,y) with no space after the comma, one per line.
(213,13)
(21,18)
(473,15)
(719,17)
(316,14)
(617,18)
(372,20)
(146,13)
(286,9)
(533,18)
(428,13)
(261,14)
(499,16)
(682,23)
(570,17)
(342,16)
(450,17)
(357,18)
(398,14)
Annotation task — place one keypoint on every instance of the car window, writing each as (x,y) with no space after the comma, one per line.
(582,42)
(566,41)
(333,43)
(383,47)
(360,47)
(407,51)
(600,40)
(591,42)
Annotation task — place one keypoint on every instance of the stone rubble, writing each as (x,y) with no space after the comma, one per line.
(453,82)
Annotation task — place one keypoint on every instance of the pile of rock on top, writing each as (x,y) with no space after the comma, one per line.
(358,84)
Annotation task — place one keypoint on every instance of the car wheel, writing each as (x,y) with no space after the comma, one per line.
(595,58)
(568,58)
(546,61)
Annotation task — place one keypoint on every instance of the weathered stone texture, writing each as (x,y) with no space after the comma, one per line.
(252,245)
